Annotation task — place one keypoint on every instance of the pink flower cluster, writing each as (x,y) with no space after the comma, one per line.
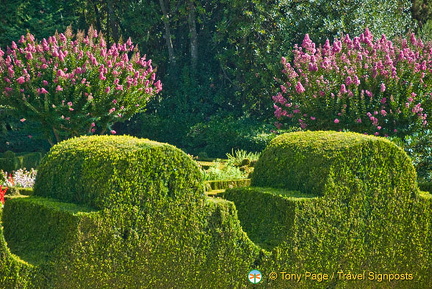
(74,80)
(362,84)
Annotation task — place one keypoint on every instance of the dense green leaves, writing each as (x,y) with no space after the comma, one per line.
(104,171)
(359,210)
(121,210)
(214,57)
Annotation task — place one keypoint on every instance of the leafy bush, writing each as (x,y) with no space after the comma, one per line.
(93,170)
(20,136)
(75,85)
(363,84)
(9,161)
(240,158)
(223,171)
(239,165)
(365,215)
(419,147)
(338,202)
(284,165)
(236,133)
(131,208)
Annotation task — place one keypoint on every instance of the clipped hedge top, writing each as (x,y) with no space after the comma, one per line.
(102,171)
(309,161)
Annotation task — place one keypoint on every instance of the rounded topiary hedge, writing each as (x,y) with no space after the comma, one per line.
(102,171)
(309,161)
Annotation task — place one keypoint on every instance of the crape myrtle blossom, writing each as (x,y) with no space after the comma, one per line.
(71,84)
(364,84)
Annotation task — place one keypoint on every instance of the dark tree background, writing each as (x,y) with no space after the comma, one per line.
(216,58)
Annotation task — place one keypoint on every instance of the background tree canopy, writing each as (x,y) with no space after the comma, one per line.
(216,58)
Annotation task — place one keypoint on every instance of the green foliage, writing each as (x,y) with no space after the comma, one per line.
(239,165)
(251,38)
(20,136)
(14,273)
(158,221)
(365,215)
(426,186)
(303,161)
(41,17)
(358,210)
(326,19)
(237,133)
(9,161)
(240,158)
(265,215)
(426,31)
(29,160)
(24,191)
(239,46)
(9,155)
(104,171)
(217,185)
(222,171)
(26,240)
(422,12)
(419,147)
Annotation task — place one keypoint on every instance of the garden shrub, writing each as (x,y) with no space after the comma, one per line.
(365,84)
(268,219)
(9,161)
(14,273)
(307,161)
(361,213)
(237,133)
(225,184)
(137,219)
(29,160)
(358,209)
(419,147)
(101,172)
(75,84)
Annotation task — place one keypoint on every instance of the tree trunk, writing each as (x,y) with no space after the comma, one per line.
(97,16)
(193,34)
(112,22)
(168,37)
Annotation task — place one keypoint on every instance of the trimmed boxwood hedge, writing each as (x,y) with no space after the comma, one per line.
(364,213)
(105,171)
(361,213)
(308,161)
(9,161)
(138,219)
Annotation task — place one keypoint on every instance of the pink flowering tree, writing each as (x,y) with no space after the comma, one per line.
(367,85)
(74,84)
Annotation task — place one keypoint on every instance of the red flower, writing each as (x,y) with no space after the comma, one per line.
(2,194)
